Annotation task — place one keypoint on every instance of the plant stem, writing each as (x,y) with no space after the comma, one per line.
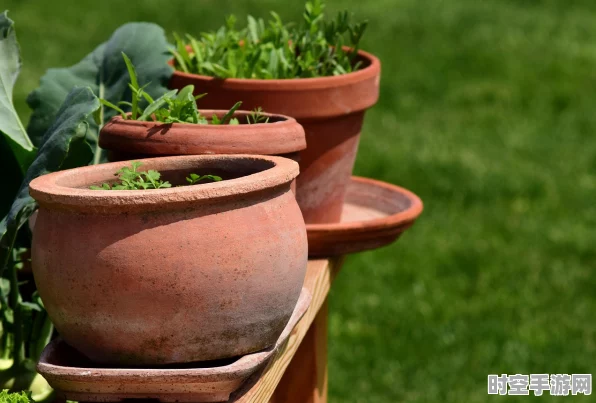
(18,354)
(98,150)
(4,344)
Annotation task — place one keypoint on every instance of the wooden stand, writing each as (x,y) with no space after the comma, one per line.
(298,372)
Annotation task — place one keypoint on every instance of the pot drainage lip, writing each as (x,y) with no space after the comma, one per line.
(63,371)
(375,214)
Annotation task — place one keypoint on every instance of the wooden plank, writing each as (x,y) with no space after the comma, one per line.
(305,379)
(261,386)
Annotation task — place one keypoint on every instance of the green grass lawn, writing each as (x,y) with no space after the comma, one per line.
(487,112)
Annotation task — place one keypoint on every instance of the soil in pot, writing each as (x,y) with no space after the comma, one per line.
(152,277)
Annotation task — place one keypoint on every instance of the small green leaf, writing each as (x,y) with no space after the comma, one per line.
(116,108)
(253,30)
(131,71)
(153,175)
(156,105)
(186,93)
(180,63)
(194,178)
(182,51)
(147,97)
(196,49)
(231,112)
(134,84)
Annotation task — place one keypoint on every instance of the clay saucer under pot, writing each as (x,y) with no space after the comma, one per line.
(375,214)
(76,378)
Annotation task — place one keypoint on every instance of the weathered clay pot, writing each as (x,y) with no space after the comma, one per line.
(331,110)
(282,135)
(133,139)
(192,273)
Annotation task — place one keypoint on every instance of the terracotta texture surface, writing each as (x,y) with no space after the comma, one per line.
(76,378)
(282,135)
(331,110)
(191,273)
(375,214)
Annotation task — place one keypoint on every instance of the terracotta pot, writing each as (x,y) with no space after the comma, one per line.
(282,135)
(72,376)
(331,110)
(192,273)
(128,140)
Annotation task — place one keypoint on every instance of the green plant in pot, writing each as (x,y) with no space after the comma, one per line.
(172,125)
(131,178)
(313,71)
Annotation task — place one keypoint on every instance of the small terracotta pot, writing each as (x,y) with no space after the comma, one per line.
(133,139)
(331,110)
(282,135)
(192,273)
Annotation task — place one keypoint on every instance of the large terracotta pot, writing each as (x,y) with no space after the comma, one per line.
(331,110)
(192,273)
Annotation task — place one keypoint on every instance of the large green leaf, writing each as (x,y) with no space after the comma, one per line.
(104,71)
(10,124)
(63,146)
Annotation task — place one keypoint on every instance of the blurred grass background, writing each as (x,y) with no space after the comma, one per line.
(487,112)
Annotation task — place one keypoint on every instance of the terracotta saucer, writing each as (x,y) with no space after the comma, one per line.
(76,378)
(375,213)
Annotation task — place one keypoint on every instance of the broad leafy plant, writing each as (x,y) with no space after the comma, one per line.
(105,72)
(316,47)
(61,134)
(131,178)
(26,327)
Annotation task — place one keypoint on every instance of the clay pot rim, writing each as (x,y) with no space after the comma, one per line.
(296,84)
(47,189)
(405,217)
(275,138)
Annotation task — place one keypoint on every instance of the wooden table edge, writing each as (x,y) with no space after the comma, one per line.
(261,386)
